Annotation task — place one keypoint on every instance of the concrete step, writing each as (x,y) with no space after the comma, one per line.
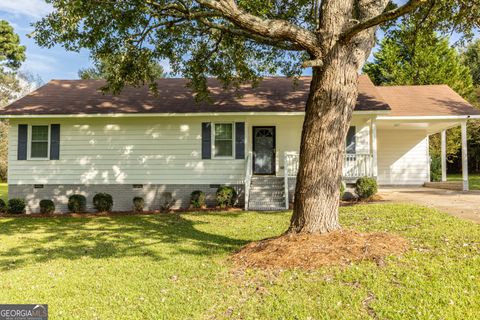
(267,208)
(267,186)
(266,191)
(267,197)
(267,203)
(266,183)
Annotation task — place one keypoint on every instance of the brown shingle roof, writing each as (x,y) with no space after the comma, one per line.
(426,100)
(274,94)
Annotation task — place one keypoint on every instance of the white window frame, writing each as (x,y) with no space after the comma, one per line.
(29,145)
(214,124)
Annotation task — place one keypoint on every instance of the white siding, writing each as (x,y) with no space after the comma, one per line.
(160,150)
(125,151)
(402,157)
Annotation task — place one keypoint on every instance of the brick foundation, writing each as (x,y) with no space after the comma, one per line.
(154,195)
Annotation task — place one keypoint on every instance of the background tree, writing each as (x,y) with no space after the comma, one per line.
(102,70)
(12,54)
(410,57)
(471,58)
(238,41)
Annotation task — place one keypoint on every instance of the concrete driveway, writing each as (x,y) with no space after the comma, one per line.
(465,205)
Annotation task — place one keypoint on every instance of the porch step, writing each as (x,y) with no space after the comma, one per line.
(267,193)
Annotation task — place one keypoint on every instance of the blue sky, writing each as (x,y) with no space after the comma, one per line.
(53,63)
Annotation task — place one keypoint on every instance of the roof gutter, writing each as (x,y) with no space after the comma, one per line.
(191,114)
(426,118)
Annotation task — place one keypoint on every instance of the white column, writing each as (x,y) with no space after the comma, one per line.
(444,154)
(429,159)
(373,131)
(464,156)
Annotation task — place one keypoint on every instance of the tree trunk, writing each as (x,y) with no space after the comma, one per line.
(332,98)
(327,117)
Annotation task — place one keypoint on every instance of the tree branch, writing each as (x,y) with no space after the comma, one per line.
(384,17)
(239,32)
(254,26)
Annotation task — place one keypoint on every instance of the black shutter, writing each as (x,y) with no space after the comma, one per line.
(22,142)
(239,140)
(54,142)
(206,140)
(351,141)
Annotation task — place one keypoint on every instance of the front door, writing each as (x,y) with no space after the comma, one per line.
(263,150)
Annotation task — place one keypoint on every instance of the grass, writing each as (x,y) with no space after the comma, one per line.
(474,179)
(176,266)
(4,191)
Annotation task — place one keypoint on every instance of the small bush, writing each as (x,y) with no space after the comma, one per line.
(77,203)
(435,169)
(103,202)
(197,199)
(167,201)
(16,206)
(47,206)
(138,204)
(226,196)
(366,187)
(3,206)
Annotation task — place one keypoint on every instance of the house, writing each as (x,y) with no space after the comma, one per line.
(67,137)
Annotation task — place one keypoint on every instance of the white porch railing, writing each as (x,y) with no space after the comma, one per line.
(354,166)
(248,177)
(357,165)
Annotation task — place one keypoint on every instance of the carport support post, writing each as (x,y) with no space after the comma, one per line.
(464,156)
(444,154)
(373,147)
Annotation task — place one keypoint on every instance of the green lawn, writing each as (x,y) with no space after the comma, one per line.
(474,180)
(4,191)
(175,267)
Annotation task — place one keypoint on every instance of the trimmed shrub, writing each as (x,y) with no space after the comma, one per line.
(167,201)
(16,206)
(138,204)
(197,199)
(435,169)
(47,206)
(366,187)
(226,196)
(3,206)
(77,203)
(103,202)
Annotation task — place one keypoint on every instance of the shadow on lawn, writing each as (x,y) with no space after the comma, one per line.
(154,236)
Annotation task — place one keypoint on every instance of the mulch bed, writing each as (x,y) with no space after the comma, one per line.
(375,199)
(309,251)
(116,213)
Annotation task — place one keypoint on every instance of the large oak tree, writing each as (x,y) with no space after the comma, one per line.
(241,40)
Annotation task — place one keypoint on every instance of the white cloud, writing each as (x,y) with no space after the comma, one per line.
(32,8)
(39,63)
